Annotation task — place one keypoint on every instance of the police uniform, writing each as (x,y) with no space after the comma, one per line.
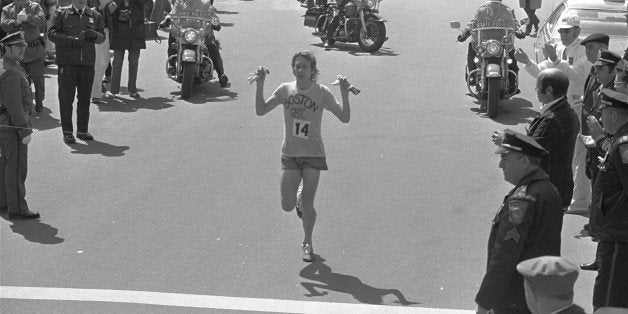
(33,61)
(609,214)
(16,102)
(527,225)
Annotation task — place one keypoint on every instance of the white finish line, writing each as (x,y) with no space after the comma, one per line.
(207,301)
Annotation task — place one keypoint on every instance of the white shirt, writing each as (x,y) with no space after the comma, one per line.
(575,65)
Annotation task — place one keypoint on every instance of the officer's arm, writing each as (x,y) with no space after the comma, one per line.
(8,24)
(100,30)
(621,163)
(56,35)
(37,18)
(510,240)
(547,132)
(12,101)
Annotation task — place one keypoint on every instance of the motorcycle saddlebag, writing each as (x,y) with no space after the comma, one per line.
(311,16)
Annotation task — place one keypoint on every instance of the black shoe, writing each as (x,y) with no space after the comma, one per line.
(27,215)
(590,266)
(68,138)
(223,80)
(85,136)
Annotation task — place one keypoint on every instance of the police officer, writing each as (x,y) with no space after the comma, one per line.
(15,128)
(28,16)
(74,30)
(549,282)
(527,225)
(609,213)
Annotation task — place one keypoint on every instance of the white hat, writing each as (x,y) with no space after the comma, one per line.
(569,21)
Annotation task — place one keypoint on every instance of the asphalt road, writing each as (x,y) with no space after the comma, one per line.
(182,197)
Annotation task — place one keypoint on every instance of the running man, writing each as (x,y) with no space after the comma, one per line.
(302,152)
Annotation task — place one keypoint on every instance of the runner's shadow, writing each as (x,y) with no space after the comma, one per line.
(34,230)
(43,120)
(96,147)
(331,281)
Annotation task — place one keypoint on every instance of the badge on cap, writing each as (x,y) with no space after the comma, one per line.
(91,20)
(512,234)
(516,211)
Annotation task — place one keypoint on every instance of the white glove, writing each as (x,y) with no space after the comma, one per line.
(21,17)
(26,140)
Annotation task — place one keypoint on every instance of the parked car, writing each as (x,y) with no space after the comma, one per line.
(596,16)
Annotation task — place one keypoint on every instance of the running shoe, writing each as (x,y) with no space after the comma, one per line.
(307,252)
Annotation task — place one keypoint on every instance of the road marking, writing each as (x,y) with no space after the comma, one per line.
(207,301)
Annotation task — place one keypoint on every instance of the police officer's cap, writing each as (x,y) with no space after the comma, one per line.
(13,39)
(597,37)
(613,99)
(550,275)
(605,57)
(517,142)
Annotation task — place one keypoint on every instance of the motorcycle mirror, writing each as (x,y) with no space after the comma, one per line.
(454,24)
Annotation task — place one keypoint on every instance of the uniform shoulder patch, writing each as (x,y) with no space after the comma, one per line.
(512,235)
(623,152)
(516,211)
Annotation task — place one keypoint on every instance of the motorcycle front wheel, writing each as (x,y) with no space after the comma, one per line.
(373,38)
(492,103)
(188,79)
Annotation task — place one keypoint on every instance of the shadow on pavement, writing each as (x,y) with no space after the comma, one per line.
(331,281)
(132,105)
(43,120)
(511,111)
(96,147)
(227,12)
(209,92)
(34,230)
(226,24)
(354,50)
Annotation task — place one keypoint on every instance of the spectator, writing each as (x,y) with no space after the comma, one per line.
(530,7)
(527,225)
(102,50)
(570,57)
(15,128)
(28,17)
(49,7)
(556,129)
(549,282)
(75,30)
(4,3)
(127,33)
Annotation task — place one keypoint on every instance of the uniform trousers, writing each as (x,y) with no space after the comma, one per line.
(581,197)
(611,283)
(100,65)
(75,79)
(13,168)
(118,58)
(35,72)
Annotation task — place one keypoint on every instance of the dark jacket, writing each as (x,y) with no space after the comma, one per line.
(129,34)
(105,13)
(65,32)
(573,309)
(556,130)
(527,225)
(16,99)
(609,211)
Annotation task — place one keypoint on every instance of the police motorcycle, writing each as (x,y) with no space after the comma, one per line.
(492,80)
(358,21)
(193,64)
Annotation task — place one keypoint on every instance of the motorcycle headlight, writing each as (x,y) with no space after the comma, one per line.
(190,35)
(493,47)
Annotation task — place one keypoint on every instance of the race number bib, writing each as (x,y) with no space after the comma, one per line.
(300,128)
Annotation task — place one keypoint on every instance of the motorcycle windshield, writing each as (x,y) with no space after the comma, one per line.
(496,33)
(198,20)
